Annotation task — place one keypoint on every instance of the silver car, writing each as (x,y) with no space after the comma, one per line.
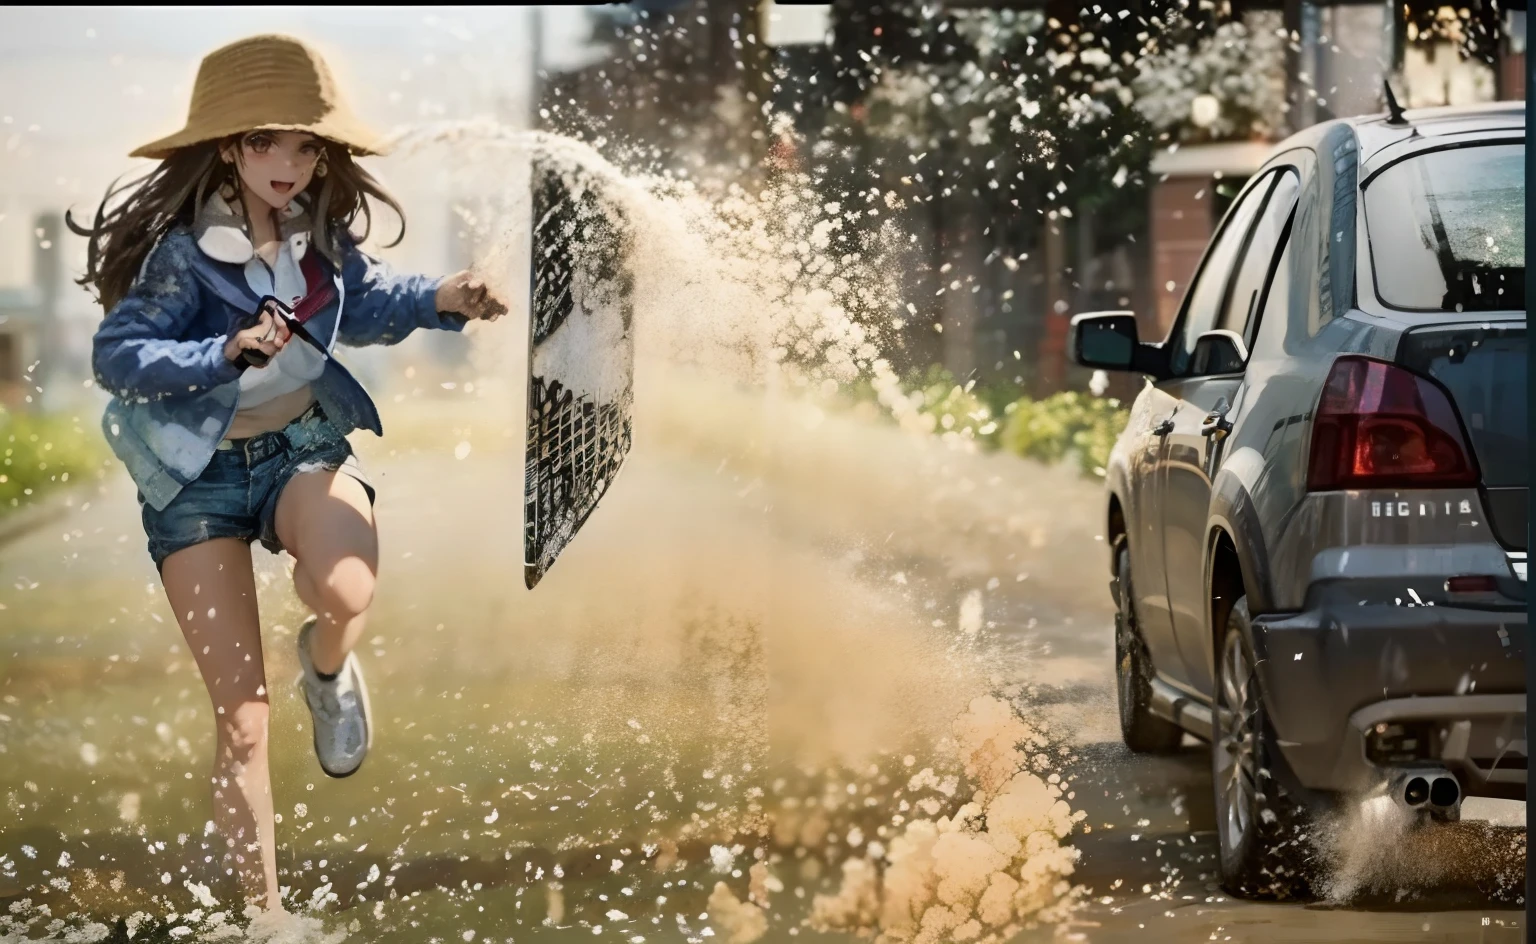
(1318,509)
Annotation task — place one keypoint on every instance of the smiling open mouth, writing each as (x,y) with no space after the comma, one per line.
(282,186)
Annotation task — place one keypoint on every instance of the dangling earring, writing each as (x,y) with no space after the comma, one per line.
(227,187)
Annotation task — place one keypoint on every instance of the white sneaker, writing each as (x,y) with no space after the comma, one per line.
(339,709)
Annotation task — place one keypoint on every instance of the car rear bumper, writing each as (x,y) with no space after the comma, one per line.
(1353,692)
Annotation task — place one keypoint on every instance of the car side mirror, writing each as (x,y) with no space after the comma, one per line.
(1105,340)
(1218,352)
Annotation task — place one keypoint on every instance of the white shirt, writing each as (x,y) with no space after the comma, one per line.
(270,396)
(297,363)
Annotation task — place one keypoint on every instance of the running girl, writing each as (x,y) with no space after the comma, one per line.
(234,431)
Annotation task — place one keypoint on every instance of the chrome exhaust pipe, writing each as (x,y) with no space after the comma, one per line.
(1435,790)
(1412,791)
(1445,793)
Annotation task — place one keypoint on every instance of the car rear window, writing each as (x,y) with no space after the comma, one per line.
(1447,230)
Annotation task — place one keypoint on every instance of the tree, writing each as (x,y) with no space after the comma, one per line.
(678,90)
(1009,134)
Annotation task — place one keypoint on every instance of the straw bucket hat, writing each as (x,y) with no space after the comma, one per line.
(267,81)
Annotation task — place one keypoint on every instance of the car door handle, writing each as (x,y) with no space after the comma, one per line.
(1163,428)
(1216,425)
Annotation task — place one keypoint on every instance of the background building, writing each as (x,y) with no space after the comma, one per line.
(30,326)
(1094,182)
(1054,159)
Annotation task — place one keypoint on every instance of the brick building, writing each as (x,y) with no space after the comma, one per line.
(1193,188)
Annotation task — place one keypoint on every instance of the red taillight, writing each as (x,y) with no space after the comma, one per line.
(1382,426)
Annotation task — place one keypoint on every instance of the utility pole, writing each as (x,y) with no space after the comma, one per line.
(536,87)
(47,276)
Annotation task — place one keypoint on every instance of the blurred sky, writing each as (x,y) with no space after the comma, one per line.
(80,87)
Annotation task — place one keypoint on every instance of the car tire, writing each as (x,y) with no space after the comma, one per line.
(1143,732)
(1264,834)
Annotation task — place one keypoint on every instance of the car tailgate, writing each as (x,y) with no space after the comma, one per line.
(1483,365)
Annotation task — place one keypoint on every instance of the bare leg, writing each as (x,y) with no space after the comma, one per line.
(212,590)
(325,521)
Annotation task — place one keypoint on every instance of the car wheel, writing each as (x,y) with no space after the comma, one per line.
(1263,834)
(1144,732)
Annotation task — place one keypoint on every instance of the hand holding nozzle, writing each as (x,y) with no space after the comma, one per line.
(261,336)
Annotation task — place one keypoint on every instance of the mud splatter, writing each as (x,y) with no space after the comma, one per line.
(994,867)
(740,922)
(1375,850)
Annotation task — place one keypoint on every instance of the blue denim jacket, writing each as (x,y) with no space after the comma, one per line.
(160,354)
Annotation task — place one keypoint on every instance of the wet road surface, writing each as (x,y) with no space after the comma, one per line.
(773,605)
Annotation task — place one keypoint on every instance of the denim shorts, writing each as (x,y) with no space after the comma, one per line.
(236,495)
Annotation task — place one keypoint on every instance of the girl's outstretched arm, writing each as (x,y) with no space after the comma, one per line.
(135,352)
(382,307)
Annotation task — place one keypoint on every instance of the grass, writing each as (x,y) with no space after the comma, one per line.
(40,453)
(490,773)
(525,743)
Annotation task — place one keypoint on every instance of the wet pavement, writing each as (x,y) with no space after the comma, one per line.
(775,610)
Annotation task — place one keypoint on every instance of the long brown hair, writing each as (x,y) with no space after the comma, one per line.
(171,193)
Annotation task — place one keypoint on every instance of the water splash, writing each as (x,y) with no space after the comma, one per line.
(747,305)
(777,288)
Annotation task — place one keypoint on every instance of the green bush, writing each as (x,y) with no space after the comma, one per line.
(1069,425)
(964,409)
(1063,425)
(954,407)
(39,453)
